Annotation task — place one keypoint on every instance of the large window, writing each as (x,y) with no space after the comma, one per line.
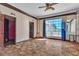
(53,27)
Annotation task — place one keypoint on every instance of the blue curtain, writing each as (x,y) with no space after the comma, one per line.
(63,32)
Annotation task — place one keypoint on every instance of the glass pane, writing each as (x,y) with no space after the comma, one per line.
(53,27)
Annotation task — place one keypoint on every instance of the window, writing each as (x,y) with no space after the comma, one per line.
(53,27)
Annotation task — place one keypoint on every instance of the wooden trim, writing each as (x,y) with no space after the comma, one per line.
(44,26)
(59,15)
(1,31)
(37,27)
(16,9)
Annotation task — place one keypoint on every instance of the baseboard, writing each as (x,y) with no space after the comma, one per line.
(72,41)
(37,37)
(54,38)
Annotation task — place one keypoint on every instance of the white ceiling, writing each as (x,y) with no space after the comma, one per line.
(32,8)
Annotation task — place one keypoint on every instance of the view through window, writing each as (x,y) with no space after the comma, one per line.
(53,27)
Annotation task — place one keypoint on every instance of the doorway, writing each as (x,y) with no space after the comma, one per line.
(31,29)
(9,30)
(6,30)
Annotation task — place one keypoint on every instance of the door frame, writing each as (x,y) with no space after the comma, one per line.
(2,30)
(15,25)
(44,27)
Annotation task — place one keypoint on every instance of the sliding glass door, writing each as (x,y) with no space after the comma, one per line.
(53,27)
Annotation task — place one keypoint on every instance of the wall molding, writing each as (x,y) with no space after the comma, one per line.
(16,9)
(60,15)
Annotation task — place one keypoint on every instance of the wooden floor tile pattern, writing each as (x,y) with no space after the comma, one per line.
(38,47)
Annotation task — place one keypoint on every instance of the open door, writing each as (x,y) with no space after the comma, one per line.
(6,30)
(12,28)
(9,30)
(31,29)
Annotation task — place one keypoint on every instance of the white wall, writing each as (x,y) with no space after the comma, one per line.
(73,26)
(77,29)
(71,30)
(22,23)
(41,28)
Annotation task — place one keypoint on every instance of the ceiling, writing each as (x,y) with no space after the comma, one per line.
(32,8)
